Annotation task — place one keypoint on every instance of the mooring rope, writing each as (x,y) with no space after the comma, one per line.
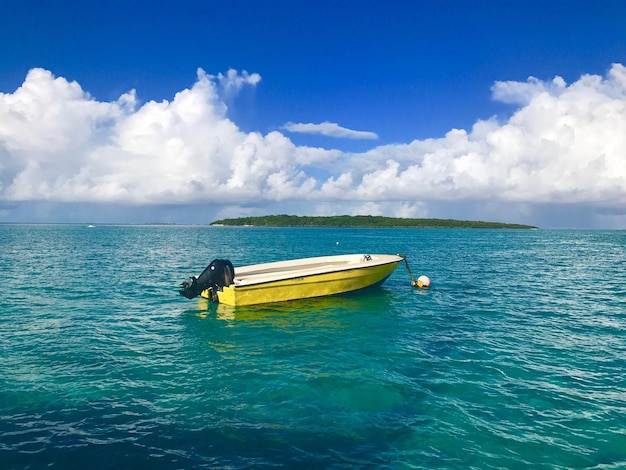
(408,268)
(422,281)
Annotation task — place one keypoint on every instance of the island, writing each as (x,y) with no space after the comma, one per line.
(367,221)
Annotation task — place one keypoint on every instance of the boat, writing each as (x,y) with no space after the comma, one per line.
(289,280)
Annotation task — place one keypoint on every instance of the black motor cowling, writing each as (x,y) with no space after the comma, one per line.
(217,275)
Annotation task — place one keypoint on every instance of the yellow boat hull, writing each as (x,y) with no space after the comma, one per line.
(302,287)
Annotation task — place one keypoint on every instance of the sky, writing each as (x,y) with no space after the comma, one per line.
(191,111)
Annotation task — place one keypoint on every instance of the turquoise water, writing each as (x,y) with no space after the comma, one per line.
(515,358)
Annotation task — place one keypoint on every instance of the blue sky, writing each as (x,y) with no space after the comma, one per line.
(481,110)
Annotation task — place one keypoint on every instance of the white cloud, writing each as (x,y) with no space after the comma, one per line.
(61,145)
(233,81)
(565,144)
(522,93)
(329,129)
(410,211)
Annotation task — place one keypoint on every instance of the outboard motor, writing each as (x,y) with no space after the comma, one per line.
(217,275)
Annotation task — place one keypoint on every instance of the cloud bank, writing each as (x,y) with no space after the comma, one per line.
(565,144)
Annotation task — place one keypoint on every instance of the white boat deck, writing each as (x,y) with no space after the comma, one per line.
(268,272)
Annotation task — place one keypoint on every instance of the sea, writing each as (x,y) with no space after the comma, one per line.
(514,358)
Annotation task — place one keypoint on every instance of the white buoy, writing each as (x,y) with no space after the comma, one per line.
(423,281)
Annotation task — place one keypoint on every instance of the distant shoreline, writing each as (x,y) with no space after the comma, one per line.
(355,221)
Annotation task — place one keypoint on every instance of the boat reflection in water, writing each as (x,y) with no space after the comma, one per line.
(329,311)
